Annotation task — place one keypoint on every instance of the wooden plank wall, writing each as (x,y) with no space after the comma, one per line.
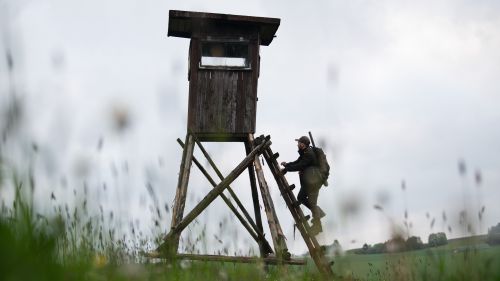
(222,101)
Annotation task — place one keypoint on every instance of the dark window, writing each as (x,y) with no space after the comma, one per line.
(225,54)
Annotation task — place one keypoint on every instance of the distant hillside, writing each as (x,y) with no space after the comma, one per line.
(460,242)
(467,241)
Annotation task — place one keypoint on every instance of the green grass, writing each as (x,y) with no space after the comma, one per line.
(73,246)
(455,261)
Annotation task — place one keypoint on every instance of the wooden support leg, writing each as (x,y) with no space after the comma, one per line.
(210,197)
(281,249)
(255,198)
(181,192)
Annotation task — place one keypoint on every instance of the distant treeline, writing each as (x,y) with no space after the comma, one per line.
(399,244)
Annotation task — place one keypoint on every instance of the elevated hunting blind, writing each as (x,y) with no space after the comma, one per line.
(223,71)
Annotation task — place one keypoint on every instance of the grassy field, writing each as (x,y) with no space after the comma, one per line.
(72,246)
(54,250)
(461,259)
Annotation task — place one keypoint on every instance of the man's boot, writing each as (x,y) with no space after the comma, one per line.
(316,227)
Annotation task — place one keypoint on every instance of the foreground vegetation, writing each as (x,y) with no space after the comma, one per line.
(74,245)
(37,248)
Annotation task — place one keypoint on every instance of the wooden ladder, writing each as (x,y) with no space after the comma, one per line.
(315,250)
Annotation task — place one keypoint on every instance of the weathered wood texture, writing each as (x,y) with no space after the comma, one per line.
(268,260)
(257,234)
(222,102)
(186,24)
(257,227)
(222,99)
(210,197)
(255,195)
(181,192)
(279,242)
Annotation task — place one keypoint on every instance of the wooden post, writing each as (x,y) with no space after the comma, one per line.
(210,197)
(280,247)
(181,192)
(257,235)
(255,195)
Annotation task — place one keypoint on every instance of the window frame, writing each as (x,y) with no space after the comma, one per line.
(240,41)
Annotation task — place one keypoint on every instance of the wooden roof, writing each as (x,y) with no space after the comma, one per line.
(181,23)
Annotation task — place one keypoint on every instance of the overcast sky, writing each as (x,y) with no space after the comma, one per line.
(396,91)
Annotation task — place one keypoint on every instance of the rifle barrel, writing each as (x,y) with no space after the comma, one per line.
(312,139)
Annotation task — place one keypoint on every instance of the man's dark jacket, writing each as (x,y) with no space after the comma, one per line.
(306,164)
(305,160)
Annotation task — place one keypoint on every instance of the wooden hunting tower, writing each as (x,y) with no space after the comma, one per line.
(223,71)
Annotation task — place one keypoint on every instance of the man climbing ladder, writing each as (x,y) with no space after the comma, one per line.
(315,250)
(311,180)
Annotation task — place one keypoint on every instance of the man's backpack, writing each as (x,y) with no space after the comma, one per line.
(323,166)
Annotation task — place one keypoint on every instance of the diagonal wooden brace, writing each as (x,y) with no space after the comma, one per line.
(257,235)
(231,192)
(210,197)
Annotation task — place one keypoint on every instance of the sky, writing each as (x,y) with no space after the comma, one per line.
(399,94)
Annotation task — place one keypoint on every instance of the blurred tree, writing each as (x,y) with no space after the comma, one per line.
(414,243)
(437,239)
(377,248)
(493,237)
